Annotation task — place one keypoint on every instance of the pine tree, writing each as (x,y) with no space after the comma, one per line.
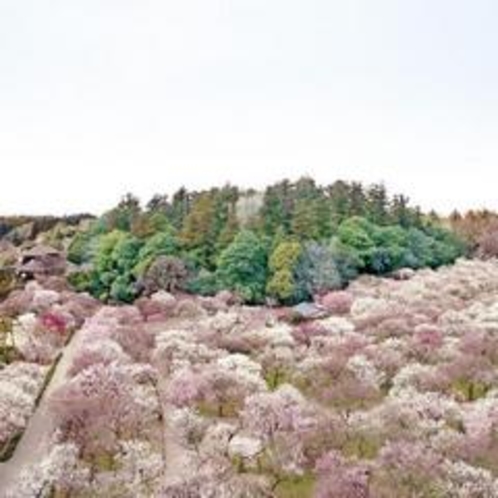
(377,204)
(198,234)
(339,199)
(400,212)
(357,205)
(180,207)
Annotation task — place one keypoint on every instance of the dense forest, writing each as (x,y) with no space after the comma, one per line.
(286,244)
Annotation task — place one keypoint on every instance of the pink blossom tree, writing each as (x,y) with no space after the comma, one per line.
(338,478)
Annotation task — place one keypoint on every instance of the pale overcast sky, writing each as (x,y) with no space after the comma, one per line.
(99,97)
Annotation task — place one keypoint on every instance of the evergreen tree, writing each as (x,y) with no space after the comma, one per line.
(357,204)
(339,198)
(115,258)
(304,222)
(377,204)
(180,207)
(242,267)
(277,208)
(159,202)
(400,212)
(124,215)
(228,231)
(311,219)
(283,265)
(198,234)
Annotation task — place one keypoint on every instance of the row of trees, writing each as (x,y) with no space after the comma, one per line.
(479,229)
(288,243)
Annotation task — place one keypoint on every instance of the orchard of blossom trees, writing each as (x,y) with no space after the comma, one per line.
(393,394)
(36,323)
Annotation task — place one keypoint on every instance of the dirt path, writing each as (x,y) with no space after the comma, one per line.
(177,458)
(36,439)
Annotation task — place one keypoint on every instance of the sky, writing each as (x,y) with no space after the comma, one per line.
(102,97)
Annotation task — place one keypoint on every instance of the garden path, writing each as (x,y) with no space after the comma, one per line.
(37,436)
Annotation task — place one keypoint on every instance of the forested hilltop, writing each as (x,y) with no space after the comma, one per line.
(387,388)
(288,243)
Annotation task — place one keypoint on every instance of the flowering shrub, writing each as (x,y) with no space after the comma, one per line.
(337,477)
(338,302)
(53,322)
(20,384)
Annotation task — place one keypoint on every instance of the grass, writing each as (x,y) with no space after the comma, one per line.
(275,378)
(471,390)
(362,447)
(296,487)
(223,410)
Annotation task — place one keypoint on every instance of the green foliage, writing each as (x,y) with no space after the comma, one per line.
(242,267)
(228,232)
(122,289)
(346,260)
(446,248)
(157,222)
(305,220)
(124,215)
(210,225)
(382,249)
(390,252)
(161,244)
(420,247)
(115,259)
(378,204)
(296,487)
(81,281)
(355,233)
(284,284)
(198,225)
(276,209)
(205,283)
(125,253)
(318,238)
(79,250)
